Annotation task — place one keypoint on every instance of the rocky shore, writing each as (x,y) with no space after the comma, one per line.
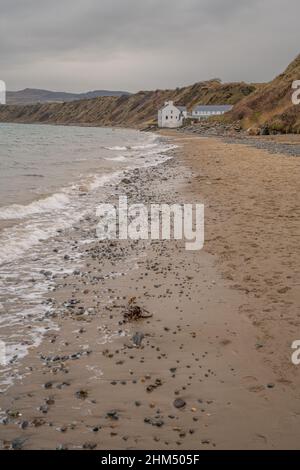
(286,144)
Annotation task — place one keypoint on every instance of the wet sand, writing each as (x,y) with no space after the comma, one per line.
(213,370)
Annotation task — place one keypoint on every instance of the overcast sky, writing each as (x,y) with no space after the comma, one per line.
(80,45)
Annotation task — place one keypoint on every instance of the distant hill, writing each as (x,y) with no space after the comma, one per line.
(33,95)
(256,106)
(136,110)
(271,105)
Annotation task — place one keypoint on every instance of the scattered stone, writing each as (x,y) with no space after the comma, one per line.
(112,414)
(179,403)
(48,385)
(152,387)
(89,445)
(37,422)
(43,409)
(50,401)
(138,338)
(82,394)
(96,428)
(205,441)
(17,444)
(283,290)
(13,414)
(154,421)
(24,425)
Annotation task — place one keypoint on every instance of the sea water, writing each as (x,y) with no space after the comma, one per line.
(50,178)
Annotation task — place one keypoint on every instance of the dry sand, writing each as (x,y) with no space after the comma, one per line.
(223,321)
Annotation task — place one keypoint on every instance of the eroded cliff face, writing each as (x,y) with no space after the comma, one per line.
(271,105)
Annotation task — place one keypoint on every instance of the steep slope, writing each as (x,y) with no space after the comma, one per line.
(33,95)
(271,105)
(137,110)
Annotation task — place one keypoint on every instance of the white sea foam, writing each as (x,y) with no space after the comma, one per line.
(142,147)
(13,245)
(119,158)
(19,239)
(18,211)
(117,148)
(102,180)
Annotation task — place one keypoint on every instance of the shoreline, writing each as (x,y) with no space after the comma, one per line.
(219,339)
(26,279)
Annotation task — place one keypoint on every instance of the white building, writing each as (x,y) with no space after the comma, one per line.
(200,112)
(171,116)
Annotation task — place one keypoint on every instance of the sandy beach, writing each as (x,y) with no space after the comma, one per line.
(211,368)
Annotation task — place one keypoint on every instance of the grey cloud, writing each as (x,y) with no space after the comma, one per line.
(84,44)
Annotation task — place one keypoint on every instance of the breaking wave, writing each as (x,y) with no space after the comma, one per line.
(18,211)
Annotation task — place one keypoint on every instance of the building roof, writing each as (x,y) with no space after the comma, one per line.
(181,108)
(214,108)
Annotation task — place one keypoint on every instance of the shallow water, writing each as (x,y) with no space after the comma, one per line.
(51,177)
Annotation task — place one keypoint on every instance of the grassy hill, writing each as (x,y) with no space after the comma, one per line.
(34,95)
(271,104)
(136,110)
(256,106)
